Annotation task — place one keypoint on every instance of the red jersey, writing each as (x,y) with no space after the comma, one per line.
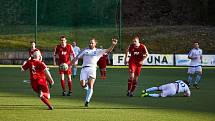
(64,53)
(103,61)
(31,52)
(137,53)
(36,69)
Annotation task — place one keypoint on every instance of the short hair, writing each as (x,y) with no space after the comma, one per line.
(195,42)
(32,42)
(62,36)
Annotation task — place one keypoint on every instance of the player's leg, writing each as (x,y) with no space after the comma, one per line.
(69,78)
(103,73)
(191,71)
(44,94)
(63,84)
(145,93)
(91,80)
(69,84)
(89,91)
(135,81)
(131,71)
(74,70)
(198,77)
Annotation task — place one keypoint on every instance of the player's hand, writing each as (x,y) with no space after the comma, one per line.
(126,61)
(51,84)
(114,41)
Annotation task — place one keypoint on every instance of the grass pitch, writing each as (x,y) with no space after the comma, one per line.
(19,103)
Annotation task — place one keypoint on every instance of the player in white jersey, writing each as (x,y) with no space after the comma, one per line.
(169,89)
(88,72)
(195,68)
(74,66)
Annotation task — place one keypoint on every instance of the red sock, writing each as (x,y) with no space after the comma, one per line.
(134,85)
(104,73)
(101,73)
(46,101)
(70,85)
(129,84)
(63,85)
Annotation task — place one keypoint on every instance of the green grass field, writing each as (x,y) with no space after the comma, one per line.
(19,103)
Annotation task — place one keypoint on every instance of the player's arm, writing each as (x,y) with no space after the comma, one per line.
(73,52)
(190,55)
(49,77)
(145,55)
(126,56)
(54,56)
(24,66)
(187,93)
(77,57)
(114,42)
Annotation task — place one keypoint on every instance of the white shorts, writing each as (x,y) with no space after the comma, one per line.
(193,70)
(168,89)
(88,72)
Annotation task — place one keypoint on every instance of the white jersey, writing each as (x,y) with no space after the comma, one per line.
(91,56)
(195,53)
(76,50)
(183,87)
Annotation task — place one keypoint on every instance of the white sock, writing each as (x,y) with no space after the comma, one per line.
(154,95)
(86,87)
(89,95)
(152,89)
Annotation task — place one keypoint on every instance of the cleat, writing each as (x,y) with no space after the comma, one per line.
(69,93)
(63,93)
(86,104)
(196,86)
(144,95)
(131,95)
(128,94)
(51,108)
(144,91)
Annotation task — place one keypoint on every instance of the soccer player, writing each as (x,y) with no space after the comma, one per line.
(64,50)
(138,53)
(169,89)
(75,65)
(195,69)
(39,75)
(32,50)
(102,63)
(88,72)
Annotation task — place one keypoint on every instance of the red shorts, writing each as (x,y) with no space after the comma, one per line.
(135,68)
(104,65)
(40,84)
(68,71)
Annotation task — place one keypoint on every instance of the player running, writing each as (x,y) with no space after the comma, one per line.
(64,50)
(138,53)
(88,72)
(170,89)
(39,75)
(195,69)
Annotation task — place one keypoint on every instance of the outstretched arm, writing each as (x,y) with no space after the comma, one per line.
(49,77)
(114,42)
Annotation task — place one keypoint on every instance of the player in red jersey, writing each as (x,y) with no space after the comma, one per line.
(39,75)
(138,53)
(102,63)
(64,50)
(32,50)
